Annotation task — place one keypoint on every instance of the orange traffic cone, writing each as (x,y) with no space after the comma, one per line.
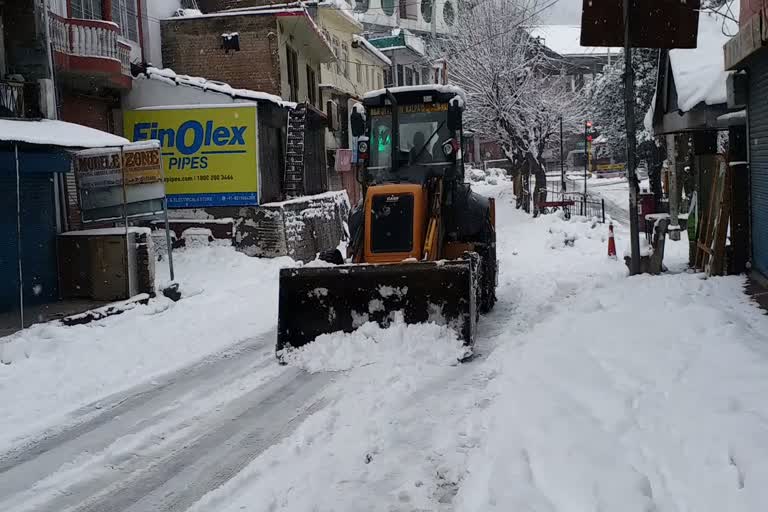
(611,242)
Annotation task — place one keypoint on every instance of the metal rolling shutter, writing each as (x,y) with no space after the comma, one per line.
(38,221)
(758,147)
(9,296)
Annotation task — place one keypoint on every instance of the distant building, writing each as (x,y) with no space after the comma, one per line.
(277,50)
(581,63)
(409,63)
(359,67)
(422,17)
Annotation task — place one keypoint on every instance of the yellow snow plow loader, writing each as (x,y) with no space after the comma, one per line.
(422,242)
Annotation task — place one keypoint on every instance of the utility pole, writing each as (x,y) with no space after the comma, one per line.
(629,115)
(562,158)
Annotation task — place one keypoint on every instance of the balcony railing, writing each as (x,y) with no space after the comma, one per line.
(89,38)
(19,99)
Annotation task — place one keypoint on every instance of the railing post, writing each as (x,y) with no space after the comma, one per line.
(602,201)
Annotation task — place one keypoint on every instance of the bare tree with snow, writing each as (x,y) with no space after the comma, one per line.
(516,89)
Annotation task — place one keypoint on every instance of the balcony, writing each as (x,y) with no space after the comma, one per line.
(19,99)
(88,53)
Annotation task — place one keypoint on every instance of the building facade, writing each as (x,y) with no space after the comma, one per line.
(746,55)
(277,50)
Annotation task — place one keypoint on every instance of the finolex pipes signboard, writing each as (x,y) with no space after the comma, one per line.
(120,182)
(210,154)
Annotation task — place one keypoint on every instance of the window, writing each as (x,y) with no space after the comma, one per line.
(345,59)
(388,78)
(449,13)
(328,38)
(292,64)
(399,75)
(368,81)
(362,5)
(388,6)
(408,9)
(359,72)
(337,54)
(87,9)
(416,78)
(424,75)
(311,86)
(408,76)
(426,10)
(381,80)
(124,13)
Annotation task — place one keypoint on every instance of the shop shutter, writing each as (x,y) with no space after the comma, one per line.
(9,295)
(38,220)
(758,147)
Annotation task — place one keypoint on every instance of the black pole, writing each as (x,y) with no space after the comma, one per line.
(395,132)
(629,114)
(562,158)
(586,159)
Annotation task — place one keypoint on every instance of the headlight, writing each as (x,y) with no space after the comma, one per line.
(362,147)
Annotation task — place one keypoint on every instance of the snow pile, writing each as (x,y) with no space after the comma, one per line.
(197,237)
(565,233)
(398,344)
(491,176)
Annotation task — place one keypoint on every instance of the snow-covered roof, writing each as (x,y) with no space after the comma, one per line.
(187,12)
(375,51)
(56,133)
(566,40)
(445,89)
(699,72)
(283,9)
(172,78)
(400,39)
(343,9)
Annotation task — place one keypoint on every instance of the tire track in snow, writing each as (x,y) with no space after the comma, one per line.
(162,445)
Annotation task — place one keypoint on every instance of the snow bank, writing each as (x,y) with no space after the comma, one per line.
(50,370)
(566,233)
(491,176)
(370,344)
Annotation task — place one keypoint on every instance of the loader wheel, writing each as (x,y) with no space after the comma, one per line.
(488,269)
(333,256)
(487,281)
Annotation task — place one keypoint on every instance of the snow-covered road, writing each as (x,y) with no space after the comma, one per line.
(591,391)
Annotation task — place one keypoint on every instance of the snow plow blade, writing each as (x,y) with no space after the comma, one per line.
(320,300)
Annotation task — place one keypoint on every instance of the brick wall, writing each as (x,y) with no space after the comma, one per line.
(93,112)
(192,46)
(208,6)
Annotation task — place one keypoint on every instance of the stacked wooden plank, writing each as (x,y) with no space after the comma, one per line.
(713,225)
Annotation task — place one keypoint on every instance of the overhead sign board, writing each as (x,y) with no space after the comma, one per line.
(115,182)
(653,23)
(210,154)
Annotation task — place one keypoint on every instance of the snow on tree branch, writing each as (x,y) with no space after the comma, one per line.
(517,90)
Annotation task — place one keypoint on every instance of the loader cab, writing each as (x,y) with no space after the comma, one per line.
(409,134)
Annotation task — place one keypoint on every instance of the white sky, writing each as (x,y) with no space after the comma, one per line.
(566,12)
